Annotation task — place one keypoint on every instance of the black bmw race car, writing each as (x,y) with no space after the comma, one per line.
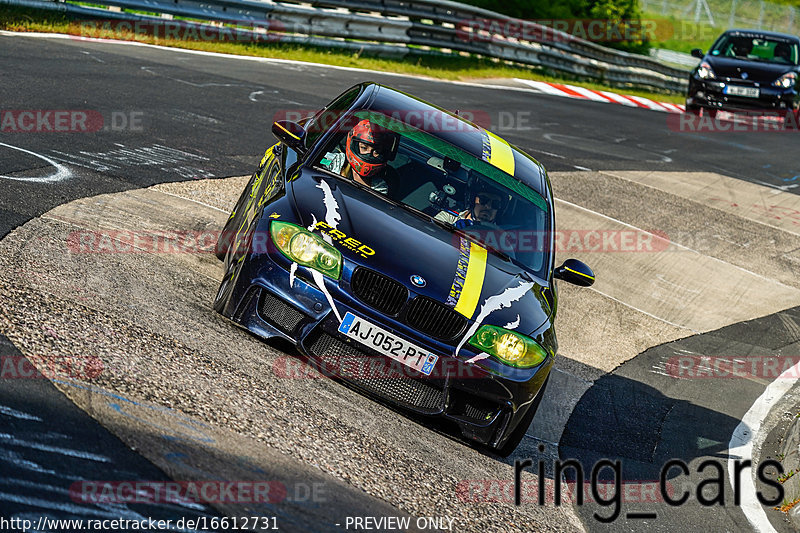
(408,253)
(747,71)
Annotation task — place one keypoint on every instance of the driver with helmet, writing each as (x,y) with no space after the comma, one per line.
(368,149)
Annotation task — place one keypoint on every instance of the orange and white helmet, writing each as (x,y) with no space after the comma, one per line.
(382,144)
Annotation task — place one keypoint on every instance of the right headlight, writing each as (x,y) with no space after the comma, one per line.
(785,81)
(306,248)
(705,72)
(508,346)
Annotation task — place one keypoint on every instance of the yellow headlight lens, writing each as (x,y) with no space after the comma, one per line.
(307,249)
(303,247)
(283,235)
(508,346)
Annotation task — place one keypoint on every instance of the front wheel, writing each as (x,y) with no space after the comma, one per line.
(693,109)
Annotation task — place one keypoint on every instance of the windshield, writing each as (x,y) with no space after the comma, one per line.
(756,48)
(471,197)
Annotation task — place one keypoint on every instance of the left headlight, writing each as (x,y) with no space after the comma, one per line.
(705,72)
(510,347)
(785,81)
(305,248)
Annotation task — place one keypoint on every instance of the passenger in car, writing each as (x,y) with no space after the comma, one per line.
(783,52)
(484,202)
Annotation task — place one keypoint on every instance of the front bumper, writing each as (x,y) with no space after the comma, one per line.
(486,400)
(711,94)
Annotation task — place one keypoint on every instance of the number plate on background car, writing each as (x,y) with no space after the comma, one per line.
(388,344)
(735,90)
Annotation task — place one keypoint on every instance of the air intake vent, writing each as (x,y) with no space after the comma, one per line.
(279,314)
(372,374)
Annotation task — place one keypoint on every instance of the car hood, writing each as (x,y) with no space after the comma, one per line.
(756,71)
(387,238)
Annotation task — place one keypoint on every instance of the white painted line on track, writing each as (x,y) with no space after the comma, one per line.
(194,201)
(61,173)
(746,436)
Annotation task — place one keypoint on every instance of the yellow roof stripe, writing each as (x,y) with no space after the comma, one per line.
(473,283)
(501,154)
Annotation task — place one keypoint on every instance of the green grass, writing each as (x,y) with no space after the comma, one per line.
(461,68)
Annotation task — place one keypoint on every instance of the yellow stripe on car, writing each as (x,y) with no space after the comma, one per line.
(267,154)
(288,132)
(501,154)
(473,284)
(580,273)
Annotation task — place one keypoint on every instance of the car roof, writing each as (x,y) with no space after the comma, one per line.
(458,131)
(763,33)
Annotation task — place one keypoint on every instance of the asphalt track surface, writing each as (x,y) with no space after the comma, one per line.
(209,117)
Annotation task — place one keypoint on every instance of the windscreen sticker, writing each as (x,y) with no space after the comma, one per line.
(495,303)
(497,152)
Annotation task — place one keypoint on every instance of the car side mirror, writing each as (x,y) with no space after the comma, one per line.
(697,53)
(575,272)
(291,134)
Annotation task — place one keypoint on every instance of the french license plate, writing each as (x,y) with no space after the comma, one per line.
(388,344)
(735,90)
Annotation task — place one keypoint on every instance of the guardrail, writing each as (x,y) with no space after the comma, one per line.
(402,27)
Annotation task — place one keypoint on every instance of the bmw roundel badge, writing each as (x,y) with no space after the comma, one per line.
(418,281)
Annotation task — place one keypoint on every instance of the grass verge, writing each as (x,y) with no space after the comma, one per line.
(441,67)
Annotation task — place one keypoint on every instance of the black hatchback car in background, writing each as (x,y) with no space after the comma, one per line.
(746,70)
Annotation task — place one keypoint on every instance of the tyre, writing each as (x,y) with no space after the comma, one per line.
(693,109)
